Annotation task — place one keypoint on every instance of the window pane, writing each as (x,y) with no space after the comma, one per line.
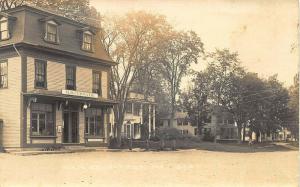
(92,126)
(52,29)
(34,116)
(70,78)
(87,125)
(87,38)
(3,68)
(34,126)
(4,35)
(40,71)
(99,127)
(42,127)
(4,26)
(96,83)
(49,129)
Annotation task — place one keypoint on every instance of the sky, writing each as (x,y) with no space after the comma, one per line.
(263,32)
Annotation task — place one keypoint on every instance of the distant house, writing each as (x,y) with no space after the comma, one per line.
(139,118)
(181,122)
(220,124)
(282,134)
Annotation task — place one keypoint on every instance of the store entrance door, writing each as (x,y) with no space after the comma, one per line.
(70,133)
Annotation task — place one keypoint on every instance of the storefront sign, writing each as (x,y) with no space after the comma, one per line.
(81,94)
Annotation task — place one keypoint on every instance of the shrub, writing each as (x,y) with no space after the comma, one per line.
(208,137)
(169,134)
(113,143)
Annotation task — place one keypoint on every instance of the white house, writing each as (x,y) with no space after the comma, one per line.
(181,122)
(139,116)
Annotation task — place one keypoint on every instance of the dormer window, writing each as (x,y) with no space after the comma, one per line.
(87,41)
(4,33)
(51,34)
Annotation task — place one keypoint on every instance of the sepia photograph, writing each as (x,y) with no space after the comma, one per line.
(185,93)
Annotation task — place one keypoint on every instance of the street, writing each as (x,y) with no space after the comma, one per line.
(180,168)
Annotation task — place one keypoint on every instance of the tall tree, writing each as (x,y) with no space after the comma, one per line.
(176,54)
(131,41)
(292,122)
(194,100)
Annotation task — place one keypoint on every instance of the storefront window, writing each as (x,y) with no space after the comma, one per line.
(94,123)
(42,122)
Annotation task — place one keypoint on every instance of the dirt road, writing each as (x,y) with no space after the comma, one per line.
(180,168)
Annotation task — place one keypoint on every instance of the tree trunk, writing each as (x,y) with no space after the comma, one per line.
(244,132)
(239,127)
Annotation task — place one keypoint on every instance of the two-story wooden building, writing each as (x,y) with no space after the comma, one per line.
(139,120)
(54,80)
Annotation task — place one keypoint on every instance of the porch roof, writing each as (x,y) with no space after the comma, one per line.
(50,95)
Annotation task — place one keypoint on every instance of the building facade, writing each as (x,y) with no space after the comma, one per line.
(220,124)
(181,122)
(54,81)
(139,120)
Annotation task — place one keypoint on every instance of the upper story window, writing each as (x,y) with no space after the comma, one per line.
(97,83)
(136,109)
(40,73)
(51,34)
(87,42)
(4,33)
(128,108)
(70,78)
(3,73)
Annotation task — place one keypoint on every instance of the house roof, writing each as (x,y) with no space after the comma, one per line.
(28,28)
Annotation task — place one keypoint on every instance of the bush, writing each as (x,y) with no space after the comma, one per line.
(169,134)
(208,137)
(113,143)
(155,138)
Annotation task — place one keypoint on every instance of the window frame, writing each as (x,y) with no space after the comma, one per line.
(136,106)
(36,62)
(2,20)
(97,122)
(4,75)
(47,121)
(84,43)
(94,90)
(127,108)
(74,77)
(46,38)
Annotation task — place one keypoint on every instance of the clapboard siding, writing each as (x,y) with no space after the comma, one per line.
(84,80)
(56,76)
(104,83)
(10,104)
(30,73)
